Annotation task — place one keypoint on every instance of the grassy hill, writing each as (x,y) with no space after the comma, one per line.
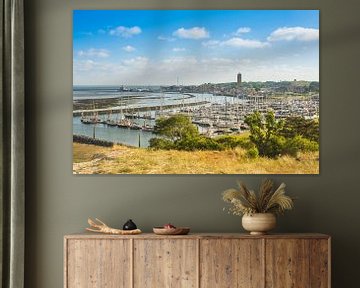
(89,159)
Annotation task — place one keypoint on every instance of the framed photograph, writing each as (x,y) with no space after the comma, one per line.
(196,92)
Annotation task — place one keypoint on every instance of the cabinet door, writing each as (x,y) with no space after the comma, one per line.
(165,263)
(320,263)
(98,263)
(231,263)
(289,263)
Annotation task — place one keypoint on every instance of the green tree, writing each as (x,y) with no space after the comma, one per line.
(264,131)
(161,144)
(177,132)
(198,143)
(175,128)
(298,143)
(307,128)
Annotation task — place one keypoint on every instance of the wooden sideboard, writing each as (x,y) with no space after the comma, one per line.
(197,260)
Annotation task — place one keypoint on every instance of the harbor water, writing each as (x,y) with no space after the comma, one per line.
(131,100)
(102,109)
(113,133)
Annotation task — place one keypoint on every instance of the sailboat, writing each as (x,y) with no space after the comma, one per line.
(110,121)
(91,119)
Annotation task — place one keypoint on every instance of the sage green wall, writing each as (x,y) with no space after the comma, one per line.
(59,203)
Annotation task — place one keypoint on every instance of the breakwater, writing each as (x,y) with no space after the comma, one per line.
(93,141)
(139,109)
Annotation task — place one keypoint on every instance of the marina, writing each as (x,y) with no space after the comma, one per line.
(196,91)
(129,117)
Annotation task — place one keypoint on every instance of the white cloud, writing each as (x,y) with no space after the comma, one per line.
(178,49)
(90,71)
(192,33)
(164,38)
(211,43)
(281,71)
(83,65)
(218,61)
(92,52)
(128,48)
(242,30)
(236,42)
(176,65)
(87,67)
(220,65)
(106,67)
(125,32)
(190,70)
(180,61)
(294,33)
(137,62)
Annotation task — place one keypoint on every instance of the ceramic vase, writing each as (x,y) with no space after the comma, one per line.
(259,223)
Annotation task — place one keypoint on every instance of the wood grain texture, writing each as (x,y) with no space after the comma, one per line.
(319,263)
(197,260)
(231,263)
(287,263)
(166,263)
(88,235)
(98,264)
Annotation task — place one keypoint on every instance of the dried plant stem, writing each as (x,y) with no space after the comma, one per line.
(268,200)
(101,227)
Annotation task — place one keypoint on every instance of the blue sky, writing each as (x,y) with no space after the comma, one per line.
(153,47)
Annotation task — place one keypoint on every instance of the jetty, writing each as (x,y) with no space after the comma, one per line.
(136,109)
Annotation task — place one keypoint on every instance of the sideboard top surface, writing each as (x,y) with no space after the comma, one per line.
(87,235)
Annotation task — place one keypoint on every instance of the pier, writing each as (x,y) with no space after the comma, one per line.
(136,109)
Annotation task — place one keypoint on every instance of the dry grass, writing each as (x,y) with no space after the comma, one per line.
(89,159)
